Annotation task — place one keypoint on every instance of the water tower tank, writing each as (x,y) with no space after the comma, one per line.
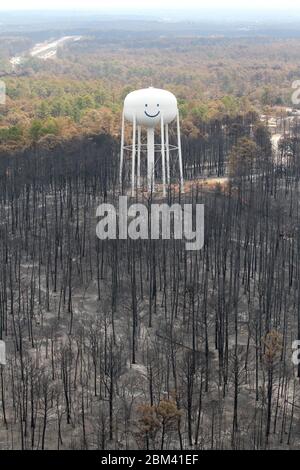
(149,105)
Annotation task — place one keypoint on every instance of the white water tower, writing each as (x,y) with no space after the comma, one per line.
(148,109)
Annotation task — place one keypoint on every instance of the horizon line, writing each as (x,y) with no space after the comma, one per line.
(142,9)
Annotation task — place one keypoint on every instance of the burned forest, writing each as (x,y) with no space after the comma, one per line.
(140,344)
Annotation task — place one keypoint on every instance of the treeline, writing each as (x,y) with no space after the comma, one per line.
(82,90)
(68,109)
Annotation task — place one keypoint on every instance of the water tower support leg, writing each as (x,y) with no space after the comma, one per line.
(133,157)
(150,159)
(139,158)
(167,153)
(122,152)
(163,155)
(180,154)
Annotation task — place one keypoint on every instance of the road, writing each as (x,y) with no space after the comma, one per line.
(44,51)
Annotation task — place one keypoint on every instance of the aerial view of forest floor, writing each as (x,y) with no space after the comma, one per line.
(141,344)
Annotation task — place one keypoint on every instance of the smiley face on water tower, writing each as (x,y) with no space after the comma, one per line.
(149,106)
(152,116)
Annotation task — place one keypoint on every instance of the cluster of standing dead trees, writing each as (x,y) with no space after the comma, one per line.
(125,344)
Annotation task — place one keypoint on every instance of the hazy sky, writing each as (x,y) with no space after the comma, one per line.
(149,4)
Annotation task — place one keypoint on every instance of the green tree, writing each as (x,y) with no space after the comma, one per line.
(39,128)
(11,134)
(43,110)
